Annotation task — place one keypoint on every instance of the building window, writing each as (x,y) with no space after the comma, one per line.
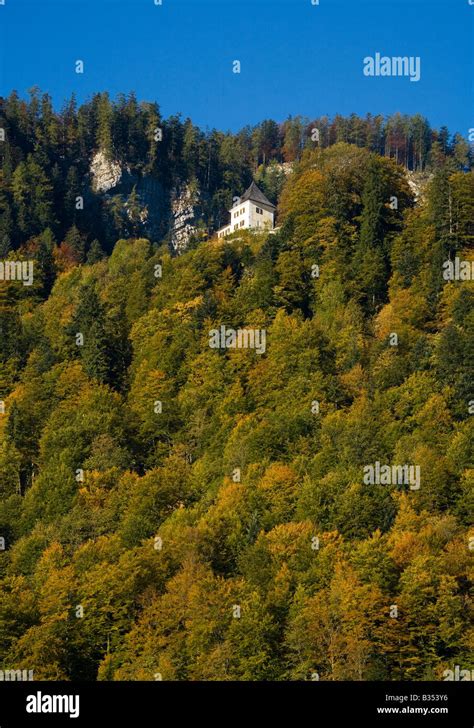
(242,223)
(259,211)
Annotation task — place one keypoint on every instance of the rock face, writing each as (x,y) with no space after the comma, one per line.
(110,178)
(106,174)
(165,213)
(184,213)
(286,167)
(418,182)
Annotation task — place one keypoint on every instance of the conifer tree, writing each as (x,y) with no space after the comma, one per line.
(95,252)
(76,242)
(89,320)
(46,261)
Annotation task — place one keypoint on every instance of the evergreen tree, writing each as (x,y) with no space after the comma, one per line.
(46,262)
(33,197)
(89,320)
(76,242)
(104,125)
(371,225)
(95,253)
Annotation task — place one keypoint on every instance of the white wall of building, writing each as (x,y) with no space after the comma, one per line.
(247,215)
(260,217)
(240,216)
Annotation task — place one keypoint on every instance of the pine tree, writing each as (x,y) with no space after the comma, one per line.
(89,320)
(104,125)
(371,225)
(46,261)
(370,262)
(136,213)
(76,242)
(95,253)
(6,214)
(33,197)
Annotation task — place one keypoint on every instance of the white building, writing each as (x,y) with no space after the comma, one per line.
(253,210)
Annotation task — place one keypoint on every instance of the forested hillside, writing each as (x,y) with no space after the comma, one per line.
(175,511)
(107,169)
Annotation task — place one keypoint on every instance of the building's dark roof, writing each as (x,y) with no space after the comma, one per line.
(256,195)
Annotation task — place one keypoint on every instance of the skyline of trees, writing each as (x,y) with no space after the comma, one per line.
(46,156)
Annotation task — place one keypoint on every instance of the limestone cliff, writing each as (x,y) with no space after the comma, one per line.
(105,173)
(165,214)
(185,212)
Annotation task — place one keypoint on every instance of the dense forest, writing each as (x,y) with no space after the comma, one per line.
(174,511)
(46,165)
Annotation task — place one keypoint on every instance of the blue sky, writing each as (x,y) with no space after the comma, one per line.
(296,58)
